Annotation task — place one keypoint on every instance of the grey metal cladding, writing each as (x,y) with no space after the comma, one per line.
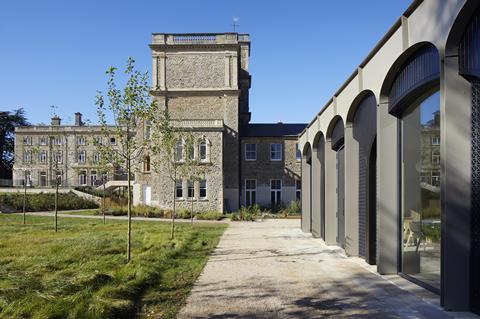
(469,49)
(419,72)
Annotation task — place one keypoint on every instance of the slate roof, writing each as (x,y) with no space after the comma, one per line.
(273,130)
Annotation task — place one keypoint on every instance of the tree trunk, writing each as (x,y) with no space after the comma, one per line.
(56,203)
(191,211)
(103,201)
(129,211)
(25,198)
(172,234)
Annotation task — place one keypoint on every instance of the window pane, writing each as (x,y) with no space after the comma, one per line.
(421,194)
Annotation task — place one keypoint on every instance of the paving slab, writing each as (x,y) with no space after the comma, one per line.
(271,269)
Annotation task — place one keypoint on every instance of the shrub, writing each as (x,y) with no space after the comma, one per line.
(234,217)
(183,213)
(90,190)
(293,209)
(45,202)
(210,216)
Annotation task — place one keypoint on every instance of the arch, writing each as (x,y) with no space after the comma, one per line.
(335,132)
(359,99)
(203,149)
(416,70)
(146,163)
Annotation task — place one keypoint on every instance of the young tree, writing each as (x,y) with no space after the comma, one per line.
(166,146)
(129,107)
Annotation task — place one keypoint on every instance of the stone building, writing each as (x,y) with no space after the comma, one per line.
(68,150)
(204,81)
(391,163)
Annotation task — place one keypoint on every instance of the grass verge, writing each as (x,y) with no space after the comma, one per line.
(80,272)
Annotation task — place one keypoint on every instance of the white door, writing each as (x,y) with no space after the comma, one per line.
(147,194)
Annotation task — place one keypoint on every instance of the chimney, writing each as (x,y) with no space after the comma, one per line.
(56,121)
(78,119)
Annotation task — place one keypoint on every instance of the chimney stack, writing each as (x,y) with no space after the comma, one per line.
(78,119)
(56,121)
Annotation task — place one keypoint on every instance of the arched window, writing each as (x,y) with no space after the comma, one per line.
(204,150)
(179,151)
(146,164)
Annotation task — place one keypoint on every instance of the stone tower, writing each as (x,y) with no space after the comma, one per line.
(203,80)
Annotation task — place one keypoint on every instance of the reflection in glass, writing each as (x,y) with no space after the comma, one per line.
(421,191)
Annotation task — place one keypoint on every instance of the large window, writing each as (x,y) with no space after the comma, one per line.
(191,189)
(82,156)
(250,192)
(82,178)
(298,190)
(203,151)
(179,151)
(421,208)
(298,153)
(250,152)
(203,189)
(275,193)
(179,189)
(43,157)
(276,152)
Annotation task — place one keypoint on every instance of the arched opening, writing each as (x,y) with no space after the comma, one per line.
(318,186)
(307,188)
(363,119)
(413,97)
(335,133)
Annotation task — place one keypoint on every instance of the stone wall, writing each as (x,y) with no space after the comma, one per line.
(195,71)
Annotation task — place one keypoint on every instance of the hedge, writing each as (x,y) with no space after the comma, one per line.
(44,202)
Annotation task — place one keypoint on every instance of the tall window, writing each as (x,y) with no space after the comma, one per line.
(146,164)
(57,140)
(179,189)
(421,203)
(27,140)
(202,150)
(81,140)
(43,157)
(298,190)
(298,153)
(43,178)
(203,189)
(93,178)
(82,178)
(82,155)
(179,151)
(435,140)
(250,192)
(191,189)
(276,152)
(96,157)
(59,177)
(28,178)
(58,157)
(250,152)
(190,151)
(27,156)
(275,193)
(97,140)
(43,140)
(148,130)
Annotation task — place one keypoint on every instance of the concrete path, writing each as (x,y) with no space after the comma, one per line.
(271,269)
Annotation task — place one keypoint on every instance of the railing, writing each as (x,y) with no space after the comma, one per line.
(194,38)
(198,123)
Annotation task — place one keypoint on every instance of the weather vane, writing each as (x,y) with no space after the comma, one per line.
(235,24)
(54,110)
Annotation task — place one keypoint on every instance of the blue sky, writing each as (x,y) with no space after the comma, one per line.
(56,52)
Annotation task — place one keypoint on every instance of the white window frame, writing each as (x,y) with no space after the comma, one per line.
(93,177)
(276,190)
(177,183)
(178,145)
(436,157)
(97,140)
(57,140)
(435,140)
(80,140)
(58,157)
(201,144)
(200,189)
(96,157)
(27,156)
(43,140)
(276,151)
(435,179)
(190,187)
(27,140)
(251,191)
(112,140)
(82,178)
(298,153)
(250,151)
(80,158)
(43,157)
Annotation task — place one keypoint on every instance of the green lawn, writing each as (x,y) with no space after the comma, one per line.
(87,212)
(80,272)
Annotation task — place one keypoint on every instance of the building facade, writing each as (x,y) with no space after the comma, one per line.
(390,163)
(203,80)
(68,154)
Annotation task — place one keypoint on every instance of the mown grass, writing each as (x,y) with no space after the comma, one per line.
(80,272)
(87,212)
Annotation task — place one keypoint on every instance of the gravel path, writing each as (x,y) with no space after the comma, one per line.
(271,269)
